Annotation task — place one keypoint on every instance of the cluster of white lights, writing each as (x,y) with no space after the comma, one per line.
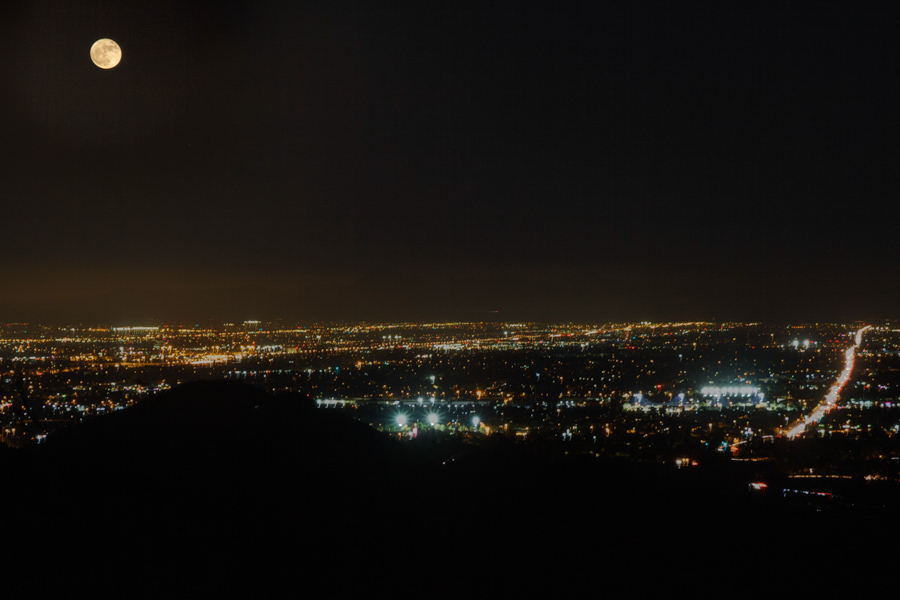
(432,418)
(736,390)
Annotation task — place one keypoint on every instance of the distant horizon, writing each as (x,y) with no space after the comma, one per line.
(107,294)
(164,323)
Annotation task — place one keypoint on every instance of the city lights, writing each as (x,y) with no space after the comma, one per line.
(829,402)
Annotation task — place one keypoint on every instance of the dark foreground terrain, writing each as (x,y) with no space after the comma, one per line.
(218,488)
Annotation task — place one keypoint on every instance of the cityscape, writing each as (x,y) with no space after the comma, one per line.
(673,393)
(161,437)
(490,299)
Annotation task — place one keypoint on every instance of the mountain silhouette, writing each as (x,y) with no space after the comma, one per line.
(220,489)
(193,478)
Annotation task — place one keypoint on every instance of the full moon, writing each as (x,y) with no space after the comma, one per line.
(106,53)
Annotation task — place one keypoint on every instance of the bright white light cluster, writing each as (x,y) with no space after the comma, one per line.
(736,390)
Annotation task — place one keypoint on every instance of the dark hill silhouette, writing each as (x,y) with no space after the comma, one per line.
(198,475)
(219,421)
(218,488)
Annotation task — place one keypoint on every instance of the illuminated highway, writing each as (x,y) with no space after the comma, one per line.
(831,399)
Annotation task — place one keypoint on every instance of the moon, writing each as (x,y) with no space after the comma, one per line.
(106,53)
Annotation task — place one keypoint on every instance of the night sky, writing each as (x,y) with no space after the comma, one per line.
(597,161)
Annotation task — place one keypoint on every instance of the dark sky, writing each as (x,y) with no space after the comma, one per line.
(370,160)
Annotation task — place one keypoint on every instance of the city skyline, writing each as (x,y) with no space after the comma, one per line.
(451,370)
(149,459)
(483,161)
